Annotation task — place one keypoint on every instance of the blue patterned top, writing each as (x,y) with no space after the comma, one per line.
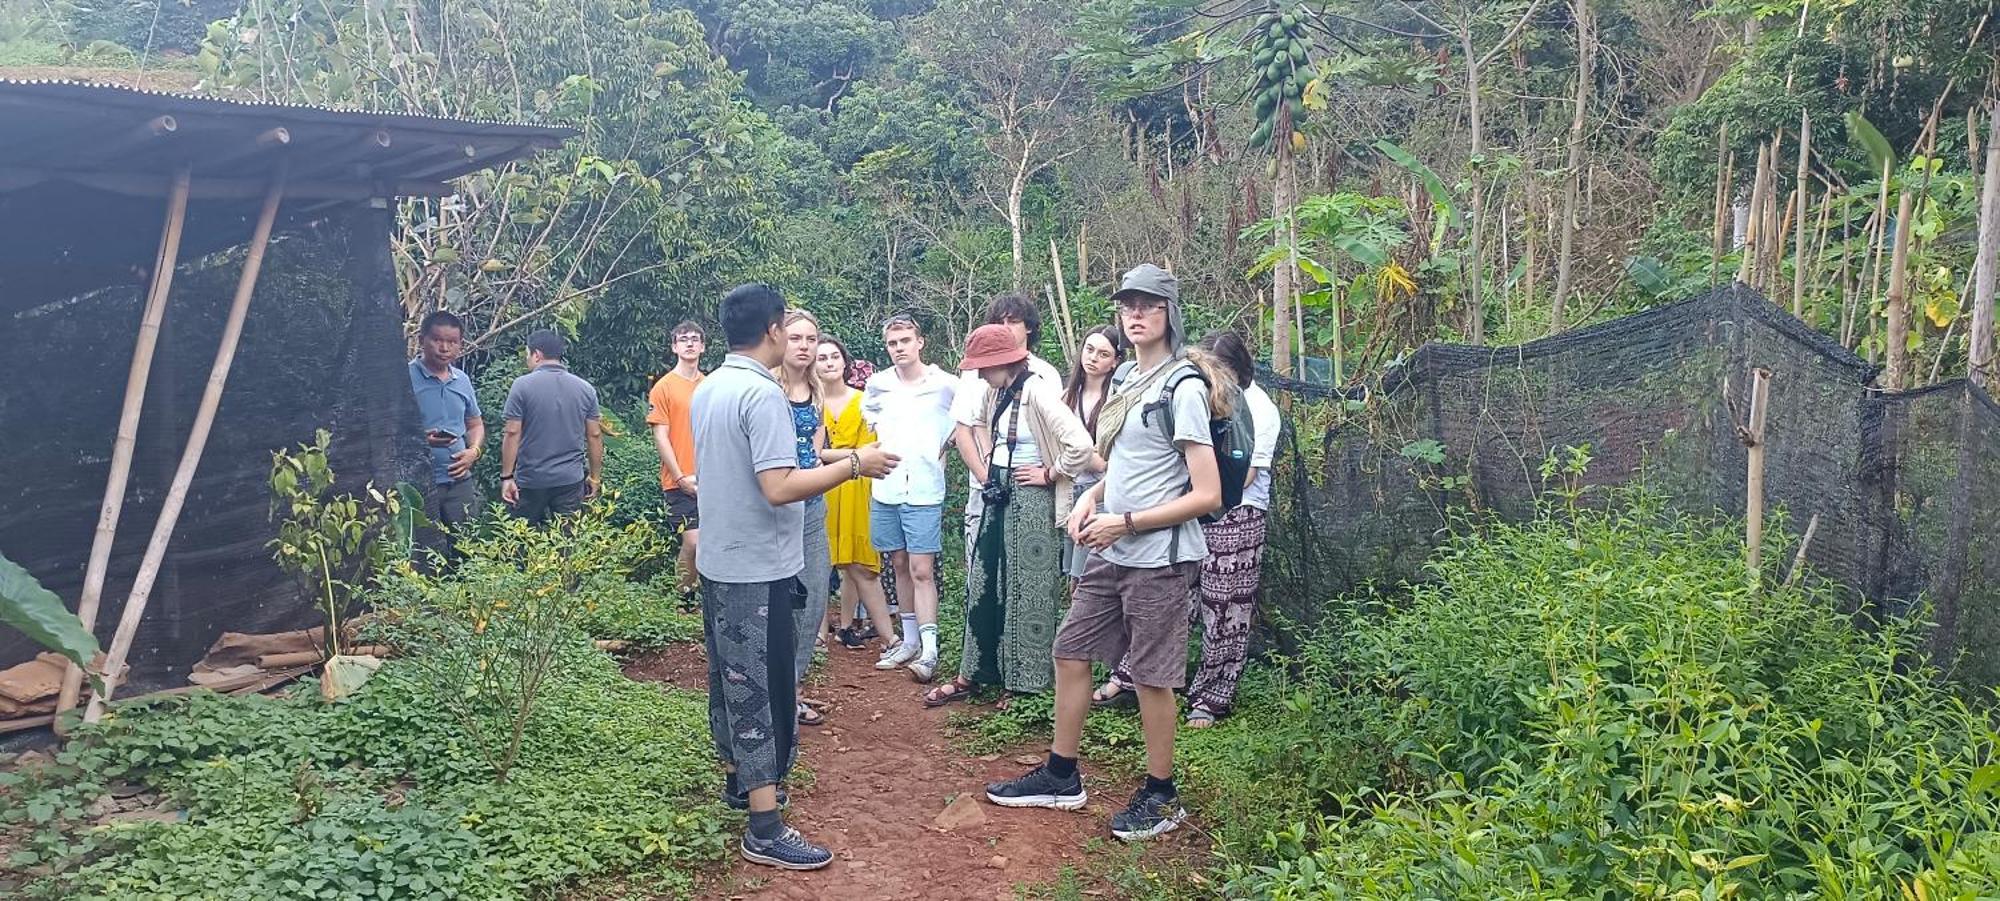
(805,422)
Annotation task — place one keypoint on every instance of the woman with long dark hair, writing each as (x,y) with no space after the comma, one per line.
(854,554)
(1089,385)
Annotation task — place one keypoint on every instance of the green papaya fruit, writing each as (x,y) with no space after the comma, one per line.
(1298,52)
(1263,58)
(1265,104)
(1276,31)
(1262,136)
(1289,20)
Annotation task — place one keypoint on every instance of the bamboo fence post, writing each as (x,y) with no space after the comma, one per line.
(1753,504)
(1799,233)
(164,263)
(1897,338)
(204,420)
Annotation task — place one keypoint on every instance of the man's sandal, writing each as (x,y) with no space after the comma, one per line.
(1112,694)
(957,689)
(810,717)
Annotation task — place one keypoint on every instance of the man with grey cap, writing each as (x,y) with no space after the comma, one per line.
(1146,550)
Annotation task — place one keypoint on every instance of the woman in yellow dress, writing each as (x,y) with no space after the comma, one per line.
(854,555)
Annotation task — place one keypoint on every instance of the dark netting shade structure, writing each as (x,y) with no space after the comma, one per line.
(1906,486)
(86,177)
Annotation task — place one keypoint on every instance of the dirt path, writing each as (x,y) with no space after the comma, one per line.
(885,773)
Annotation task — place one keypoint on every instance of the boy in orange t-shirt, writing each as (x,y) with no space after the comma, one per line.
(668,406)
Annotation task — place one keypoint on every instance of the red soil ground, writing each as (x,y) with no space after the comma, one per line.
(884,769)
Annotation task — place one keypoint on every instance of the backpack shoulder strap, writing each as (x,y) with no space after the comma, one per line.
(1165,403)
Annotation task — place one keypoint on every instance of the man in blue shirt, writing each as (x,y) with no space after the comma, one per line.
(453,427)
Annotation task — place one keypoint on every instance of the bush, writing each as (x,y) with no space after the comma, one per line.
(1603,708)
(392,793)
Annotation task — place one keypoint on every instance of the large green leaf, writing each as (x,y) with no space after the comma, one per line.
(1880,155)
(1433,185)
(40,615)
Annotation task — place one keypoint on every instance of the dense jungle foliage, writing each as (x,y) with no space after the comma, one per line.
(1396,171)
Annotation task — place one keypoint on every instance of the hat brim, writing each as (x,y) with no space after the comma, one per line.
(996,358)
(1123,293)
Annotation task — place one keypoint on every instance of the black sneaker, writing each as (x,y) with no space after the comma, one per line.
(789,851)
(1150,815)
(742,801)
(851,639)
(1039,788)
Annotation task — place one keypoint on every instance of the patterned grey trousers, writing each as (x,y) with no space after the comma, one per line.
(752,690)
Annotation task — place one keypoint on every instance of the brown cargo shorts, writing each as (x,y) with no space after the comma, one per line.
(1138,616)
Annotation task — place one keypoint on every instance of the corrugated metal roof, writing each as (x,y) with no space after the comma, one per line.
(104,90)
(84,167)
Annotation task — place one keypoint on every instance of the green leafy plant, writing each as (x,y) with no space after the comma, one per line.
(39,614)
(494,631)
(332,543)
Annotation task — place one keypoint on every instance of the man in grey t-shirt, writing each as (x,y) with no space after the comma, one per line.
(1133,601)
(749,558)
(552,452)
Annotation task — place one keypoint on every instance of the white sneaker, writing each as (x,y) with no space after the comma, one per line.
(896,656)
(924,670)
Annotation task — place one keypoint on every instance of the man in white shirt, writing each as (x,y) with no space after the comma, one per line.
(1016,312)
(909,407)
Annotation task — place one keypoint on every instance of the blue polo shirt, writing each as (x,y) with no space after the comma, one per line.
(443,405)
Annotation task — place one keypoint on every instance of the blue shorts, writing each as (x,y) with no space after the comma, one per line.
(916,528)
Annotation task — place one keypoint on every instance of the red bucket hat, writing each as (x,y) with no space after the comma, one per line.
(991,345)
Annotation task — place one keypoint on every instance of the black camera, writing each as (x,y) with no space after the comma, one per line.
(996,493)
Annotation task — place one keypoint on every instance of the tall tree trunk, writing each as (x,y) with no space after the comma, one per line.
(1015,189)
(1987,268)
(1282,275)
(1586,56)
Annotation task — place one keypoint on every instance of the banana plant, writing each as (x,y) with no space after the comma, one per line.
(37,613)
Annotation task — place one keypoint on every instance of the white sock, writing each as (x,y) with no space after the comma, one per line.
(909,630)
(928,632)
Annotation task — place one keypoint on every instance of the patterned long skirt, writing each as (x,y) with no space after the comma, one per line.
(1013,593)
(1230,581)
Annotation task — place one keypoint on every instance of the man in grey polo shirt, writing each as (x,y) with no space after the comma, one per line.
(749,558)
(552,453)
(453,426)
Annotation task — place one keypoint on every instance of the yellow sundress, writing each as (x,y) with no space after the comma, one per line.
(847,505)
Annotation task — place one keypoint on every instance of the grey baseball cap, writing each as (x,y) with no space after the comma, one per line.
(1149,279)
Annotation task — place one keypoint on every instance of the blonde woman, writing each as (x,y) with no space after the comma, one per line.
(854,553)
(795,375)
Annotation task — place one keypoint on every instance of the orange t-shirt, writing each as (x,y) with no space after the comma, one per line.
(670,404)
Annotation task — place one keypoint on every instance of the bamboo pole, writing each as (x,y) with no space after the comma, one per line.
(1772,247)
(1746,270)
(1065,327)
(164,263)
(204,420)
(1753,504)
(1897,338)
(1720,241)
(1799,559)
(1799,235)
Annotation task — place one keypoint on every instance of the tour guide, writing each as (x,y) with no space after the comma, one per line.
(749,559)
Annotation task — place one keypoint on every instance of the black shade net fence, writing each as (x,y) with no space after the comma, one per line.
(1905,486)
(322,347)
